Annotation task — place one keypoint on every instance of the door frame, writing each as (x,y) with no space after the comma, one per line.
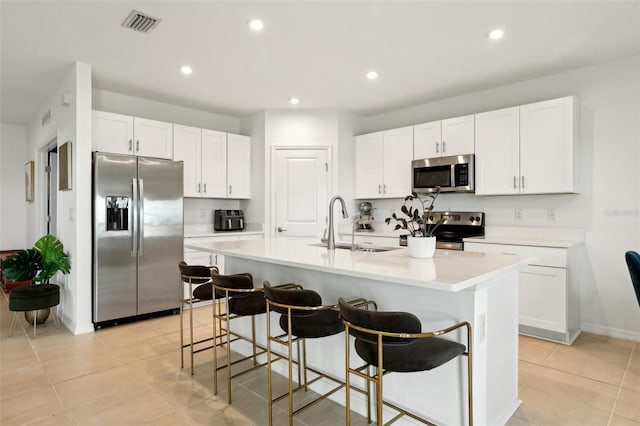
(270,230)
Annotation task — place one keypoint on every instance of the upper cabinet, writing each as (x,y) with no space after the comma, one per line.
(383,163)
(238,166)
(453,136)
(216,164)
(527,150)
(122,134)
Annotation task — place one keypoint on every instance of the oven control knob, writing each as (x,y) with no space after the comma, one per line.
(430,217)
(477,218)
(471,218)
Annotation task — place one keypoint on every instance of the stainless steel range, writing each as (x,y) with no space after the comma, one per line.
(456,226)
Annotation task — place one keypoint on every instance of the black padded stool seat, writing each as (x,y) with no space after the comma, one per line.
(33,297)
(416,355)
(253,304)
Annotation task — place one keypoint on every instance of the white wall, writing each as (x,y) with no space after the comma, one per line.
(68,123)
(13,207)
(608,205)
(254,209)
(104,100)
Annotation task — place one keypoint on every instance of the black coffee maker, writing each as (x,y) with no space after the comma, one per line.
(365,218)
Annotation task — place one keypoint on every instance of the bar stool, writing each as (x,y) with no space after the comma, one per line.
(201,276)
(393,341)
(303,317)
(241,299)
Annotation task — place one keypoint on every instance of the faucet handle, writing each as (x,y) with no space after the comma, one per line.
(324,238)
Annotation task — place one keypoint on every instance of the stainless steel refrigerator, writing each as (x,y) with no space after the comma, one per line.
(137,235)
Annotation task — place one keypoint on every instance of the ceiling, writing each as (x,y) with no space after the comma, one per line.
(319,51)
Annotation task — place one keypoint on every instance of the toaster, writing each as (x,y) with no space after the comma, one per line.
(228,220)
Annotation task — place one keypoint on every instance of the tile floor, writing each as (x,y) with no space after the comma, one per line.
(131,374)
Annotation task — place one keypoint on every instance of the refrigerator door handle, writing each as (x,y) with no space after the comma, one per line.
(141,218)
(134,228)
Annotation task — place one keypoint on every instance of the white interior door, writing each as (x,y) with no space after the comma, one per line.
(300,182)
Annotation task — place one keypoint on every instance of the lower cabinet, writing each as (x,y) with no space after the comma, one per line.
(548,293)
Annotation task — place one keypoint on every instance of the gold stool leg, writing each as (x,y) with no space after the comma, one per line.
(228,332)
(347,389)
(269,390)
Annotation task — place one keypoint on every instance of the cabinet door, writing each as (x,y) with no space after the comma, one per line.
(369,165)
(497,152)
(397,155)
(153,138)
(546,146)
(186,148)
(238,166)
(214,164)
(427,140)
(112,133)
(458,135)
(543,298)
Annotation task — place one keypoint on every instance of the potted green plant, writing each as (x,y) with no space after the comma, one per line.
(38,265)
(415,219)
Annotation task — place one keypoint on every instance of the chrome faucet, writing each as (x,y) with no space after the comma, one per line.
(331,240)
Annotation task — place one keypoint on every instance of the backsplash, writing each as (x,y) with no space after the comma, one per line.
(200,210)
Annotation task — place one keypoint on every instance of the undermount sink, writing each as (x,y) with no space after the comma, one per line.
(366,248)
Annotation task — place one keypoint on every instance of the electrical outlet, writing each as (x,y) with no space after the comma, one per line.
(551,214)
(517,215)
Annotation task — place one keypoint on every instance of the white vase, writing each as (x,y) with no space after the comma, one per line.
(421,247)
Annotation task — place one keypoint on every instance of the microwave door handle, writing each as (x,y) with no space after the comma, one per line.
(229,223)
(241,223)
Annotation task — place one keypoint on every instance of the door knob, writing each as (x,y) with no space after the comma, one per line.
(281,229)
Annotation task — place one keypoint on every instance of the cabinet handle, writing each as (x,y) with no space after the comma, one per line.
(437,147)
(384,188)
(514,182)
(510,254)
(130,144)
(444,147)
(205,187)
(230,189)
(210,259)
(198,187)
(138,145)
(379,189)
(522,179)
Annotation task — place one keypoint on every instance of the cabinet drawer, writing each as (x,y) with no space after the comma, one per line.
(544,256)
(543,298)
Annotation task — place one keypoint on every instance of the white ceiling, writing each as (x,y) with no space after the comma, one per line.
(319,51)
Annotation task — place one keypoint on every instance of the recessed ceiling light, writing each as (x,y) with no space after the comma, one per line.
(294,100)
(186,69)
(496,34)
(372,75)
(256,24)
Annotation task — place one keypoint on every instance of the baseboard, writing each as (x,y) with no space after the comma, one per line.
(611,331)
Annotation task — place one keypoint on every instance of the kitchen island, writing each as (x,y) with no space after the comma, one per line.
(454,286)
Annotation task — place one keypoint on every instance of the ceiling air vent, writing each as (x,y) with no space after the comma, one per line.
(138,21)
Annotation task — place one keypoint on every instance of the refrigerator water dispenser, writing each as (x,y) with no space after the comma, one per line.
(117,213)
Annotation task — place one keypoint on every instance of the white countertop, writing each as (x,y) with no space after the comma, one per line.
(449,270)
(531,236)
(206,230)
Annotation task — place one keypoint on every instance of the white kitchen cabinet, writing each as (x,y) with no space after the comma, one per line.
(458,136)
(548,294)
(527,150)
(122,134)
(547,152)
(214,164)
(427,140)
(238,166)
(498,152)
(112,133)
(187,147)
(453,136)
(383,163)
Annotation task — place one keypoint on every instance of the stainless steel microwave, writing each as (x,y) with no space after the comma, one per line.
(452,174)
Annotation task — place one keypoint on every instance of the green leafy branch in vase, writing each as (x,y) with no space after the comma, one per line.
(416,218)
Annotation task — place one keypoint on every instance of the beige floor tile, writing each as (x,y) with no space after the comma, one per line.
(130,405)
(125,334)
(199,332)
(534,350)
(329,413)
(563,385)
(25,379)
(180,390)
(542,408)
(66,347)
(517,421)
(29,406)
(60,419)
(632,376)
(143,349)
(156,366)
(62,370)
(173,418)
(628,405)
(622,421)
(597,357)
(16,353)
(92,387)
(216,412)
